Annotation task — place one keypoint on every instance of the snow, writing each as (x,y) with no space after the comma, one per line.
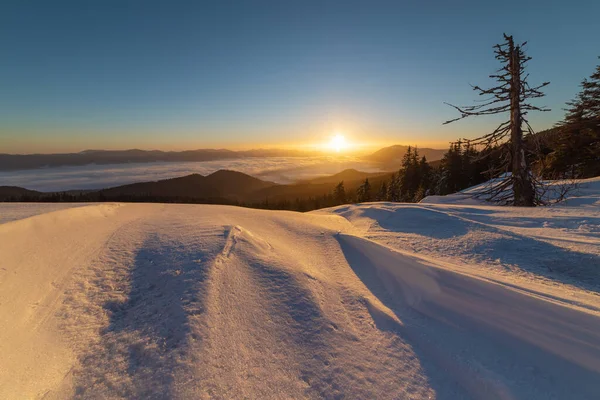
(374,300)
(15,211)
(580,192)
(558,245)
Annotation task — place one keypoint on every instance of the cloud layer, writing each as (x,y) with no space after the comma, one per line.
(275,169)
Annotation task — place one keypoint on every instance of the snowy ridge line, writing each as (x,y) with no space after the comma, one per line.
(16,211)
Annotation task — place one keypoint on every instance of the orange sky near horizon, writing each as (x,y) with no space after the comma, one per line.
(52,141)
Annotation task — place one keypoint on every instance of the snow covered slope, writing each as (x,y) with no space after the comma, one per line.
(14,211)
(584,192)
(368,301)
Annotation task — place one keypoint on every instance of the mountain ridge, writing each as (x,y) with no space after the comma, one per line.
(14,162)
(388,156)
(222,185)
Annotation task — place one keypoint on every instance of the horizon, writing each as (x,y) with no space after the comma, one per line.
(60,174)
(242,76)
(320,148)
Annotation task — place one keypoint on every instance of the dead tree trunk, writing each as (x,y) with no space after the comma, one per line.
(515,184)
(523,188)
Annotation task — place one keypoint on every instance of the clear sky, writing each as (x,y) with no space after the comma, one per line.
(242,74)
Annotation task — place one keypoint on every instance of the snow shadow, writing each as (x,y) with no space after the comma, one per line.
(418,220)
(544,259)
(570,223)
(364,267)
(509,248)
(148,332)
(582,201)
(306,316)
(476,339)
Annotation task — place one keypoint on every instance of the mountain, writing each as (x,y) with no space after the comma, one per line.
(12,162)
(221,184)
(391,156)
(236,186)
(8,192)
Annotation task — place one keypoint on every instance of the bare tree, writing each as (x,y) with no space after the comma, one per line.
(511,95)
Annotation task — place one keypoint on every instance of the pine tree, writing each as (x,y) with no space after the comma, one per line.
(578,151)
(420,194)
(383,192)
(511,96)
(363,193)
(339,193)
(393,188)
(424,174)
(452,169)
(409,175)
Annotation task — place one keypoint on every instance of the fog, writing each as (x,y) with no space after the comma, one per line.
(275,169)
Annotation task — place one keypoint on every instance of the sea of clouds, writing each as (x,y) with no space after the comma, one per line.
(275,169)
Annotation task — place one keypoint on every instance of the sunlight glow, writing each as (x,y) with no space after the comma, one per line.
(338,142)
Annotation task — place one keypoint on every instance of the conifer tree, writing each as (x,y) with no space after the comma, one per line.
(420,194)
(409,175)
(578,150)
(393,189)
(452,169)
(363,193)
(424,174)
(339,193)
(383,192)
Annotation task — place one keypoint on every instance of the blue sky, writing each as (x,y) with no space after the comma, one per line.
(240,74)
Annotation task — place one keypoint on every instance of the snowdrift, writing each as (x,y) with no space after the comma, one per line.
(200,301)
(582,192)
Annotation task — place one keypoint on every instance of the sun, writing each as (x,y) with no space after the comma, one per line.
(338,142)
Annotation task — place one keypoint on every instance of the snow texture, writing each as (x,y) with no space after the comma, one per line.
(375,300)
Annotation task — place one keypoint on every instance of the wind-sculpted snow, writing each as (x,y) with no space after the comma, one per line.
(561,244)
(195,301)
(576,192)
(496,343)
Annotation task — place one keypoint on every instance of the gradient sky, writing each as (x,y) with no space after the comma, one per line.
(241,74)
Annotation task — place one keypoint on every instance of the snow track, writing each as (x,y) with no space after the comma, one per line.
(186,301)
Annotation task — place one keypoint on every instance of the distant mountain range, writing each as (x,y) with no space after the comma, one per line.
(12,162)
(223,186)
(389,157)
(7,192)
